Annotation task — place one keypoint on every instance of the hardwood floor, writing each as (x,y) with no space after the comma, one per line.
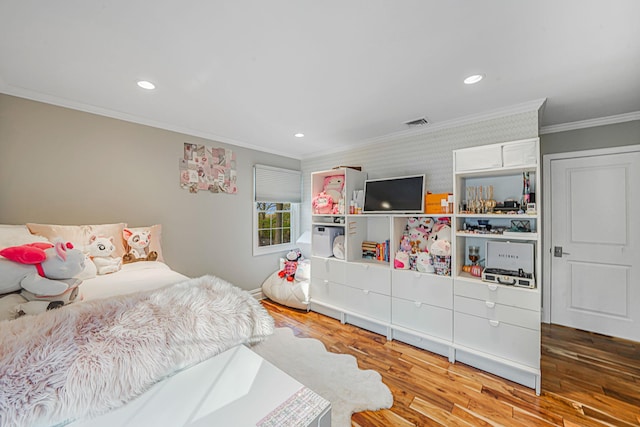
(587,379)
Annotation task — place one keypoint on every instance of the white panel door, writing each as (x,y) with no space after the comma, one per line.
(595,238)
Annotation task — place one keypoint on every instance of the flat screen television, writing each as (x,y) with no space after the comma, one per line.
(403,194)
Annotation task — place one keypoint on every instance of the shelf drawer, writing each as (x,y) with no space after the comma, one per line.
(500,339)
(369,277)
(367,303)
(328,269)
(517,297)
(503,313)
(327,292)
(424,318)
(416,286)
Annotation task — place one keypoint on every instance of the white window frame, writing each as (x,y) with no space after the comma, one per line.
(277,185)
(294,231)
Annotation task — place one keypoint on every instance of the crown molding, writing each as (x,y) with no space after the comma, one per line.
(582,124)
(92,109)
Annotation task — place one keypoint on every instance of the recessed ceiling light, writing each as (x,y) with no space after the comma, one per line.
(473,79)
(299,135)
(146,85)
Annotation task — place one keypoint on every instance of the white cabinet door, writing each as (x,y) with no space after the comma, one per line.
(326,292)
(421,287)
(503,313)
(367,303)
(328,269)
(521,345)
(370,277)
(517,297)
(520,154)
(423,318)
(478,158)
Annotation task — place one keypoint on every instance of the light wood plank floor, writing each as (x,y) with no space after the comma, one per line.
(587,379)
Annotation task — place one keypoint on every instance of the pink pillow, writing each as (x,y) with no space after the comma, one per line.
(80,235)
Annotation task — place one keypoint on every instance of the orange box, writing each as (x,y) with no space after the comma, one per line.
(433,203)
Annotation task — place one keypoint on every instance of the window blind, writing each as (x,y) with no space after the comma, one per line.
(273,184)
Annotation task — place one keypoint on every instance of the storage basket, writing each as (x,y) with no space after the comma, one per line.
(442,264)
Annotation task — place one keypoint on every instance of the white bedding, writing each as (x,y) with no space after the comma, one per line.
(134,277)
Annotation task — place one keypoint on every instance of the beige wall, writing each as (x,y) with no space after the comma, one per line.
(63,166)
(614,135)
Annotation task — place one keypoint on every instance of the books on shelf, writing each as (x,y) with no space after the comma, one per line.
(375,250)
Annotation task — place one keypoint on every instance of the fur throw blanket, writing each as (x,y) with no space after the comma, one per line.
(87,358)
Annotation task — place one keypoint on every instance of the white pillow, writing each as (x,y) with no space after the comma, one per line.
(16,235)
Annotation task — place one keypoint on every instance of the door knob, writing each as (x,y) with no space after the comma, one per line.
(557,252)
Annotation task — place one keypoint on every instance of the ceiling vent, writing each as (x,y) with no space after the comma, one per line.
(417,122)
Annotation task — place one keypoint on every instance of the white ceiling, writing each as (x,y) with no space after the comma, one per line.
(254,72)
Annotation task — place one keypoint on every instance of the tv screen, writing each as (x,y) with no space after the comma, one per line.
(402,194)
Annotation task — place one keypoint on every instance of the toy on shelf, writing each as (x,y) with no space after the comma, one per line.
(333,186)
(418,245)
(322,204)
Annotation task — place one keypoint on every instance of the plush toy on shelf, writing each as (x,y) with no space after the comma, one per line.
(440,231)
(333,186)
(401,261)
(138,242)
(100,251)
(322,204)
(290,265)
(424,263)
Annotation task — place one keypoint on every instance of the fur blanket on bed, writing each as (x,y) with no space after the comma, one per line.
(87,358)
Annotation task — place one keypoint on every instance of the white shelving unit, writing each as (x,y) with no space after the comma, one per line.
(406,305)
(490,326)
(497,327)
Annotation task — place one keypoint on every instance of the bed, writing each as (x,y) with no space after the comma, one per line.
(147,345)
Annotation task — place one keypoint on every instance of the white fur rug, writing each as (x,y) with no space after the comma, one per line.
(87,358)
(336,377)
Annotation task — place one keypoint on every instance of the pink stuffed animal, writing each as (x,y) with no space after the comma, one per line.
(333,186)
(290,265)
(322,204)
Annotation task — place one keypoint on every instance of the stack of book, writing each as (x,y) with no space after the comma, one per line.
(375,250)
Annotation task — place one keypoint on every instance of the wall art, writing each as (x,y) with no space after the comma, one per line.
(208,168)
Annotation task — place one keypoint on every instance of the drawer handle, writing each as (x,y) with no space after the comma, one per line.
(494,323)
(417,274)
(366,291)
(325,281)
(365,266)
(417,303)
(490,304)
(326,261)
(492,287)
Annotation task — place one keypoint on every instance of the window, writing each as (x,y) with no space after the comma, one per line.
(276,217)
(276,226)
